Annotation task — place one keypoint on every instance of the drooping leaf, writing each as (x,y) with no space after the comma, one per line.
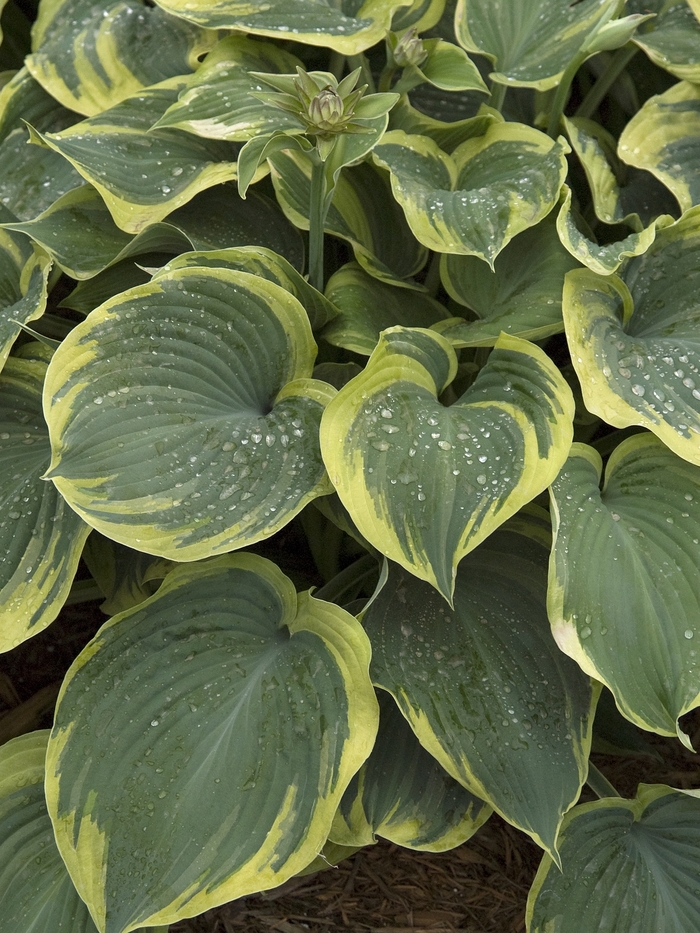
(664,137)
(426,483)
(173,166)
(90,55)
(90,293)
(182,415)
(346,26)
(634,343)
(448,135)
(484,686)
(24,273)
(672,38)
(615,735)
(41,538)
(362,212)
(126,577)
(368,306)
(475,201)
(403,794)
(530,44)
(231,714)
(624,595)
(628,866)
(521,296)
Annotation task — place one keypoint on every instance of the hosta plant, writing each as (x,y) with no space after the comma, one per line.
(354,348)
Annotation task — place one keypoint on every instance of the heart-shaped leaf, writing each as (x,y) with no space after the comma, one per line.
(628,865)
(91,55)
(402,794)
(530,44)
(672,38)
(24,274)
(484,686)
(346,26)
(475,201)
(40,537)
(173,166)
(230,714)
(425,483)
(663,137)
(368,306)
(624,594)
(521,296)
(182,415)
(635,344)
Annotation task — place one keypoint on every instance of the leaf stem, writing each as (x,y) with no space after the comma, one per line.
(599,784)
(498,93)
(562,94)
(317,219)
(619,61)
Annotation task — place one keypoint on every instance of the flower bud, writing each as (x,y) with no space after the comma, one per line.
(326,109)
(410,50)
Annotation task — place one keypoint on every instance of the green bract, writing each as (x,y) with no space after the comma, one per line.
(350,360)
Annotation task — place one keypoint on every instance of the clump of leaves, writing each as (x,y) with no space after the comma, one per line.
(500,299)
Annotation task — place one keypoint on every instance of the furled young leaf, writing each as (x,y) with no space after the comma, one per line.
(448,135)
(484,686)
(173,166)
(446,66)
(216,101)
(521,296)
(635,344)
(91,55)
(265,264)
(664,138)
(421,15)
(426,483)
(672,38)
(530,44)
(628,865)
(368,306)
(608,258)
(346,26)
(230,714)
(362,212)
(624,594)
(183,418)
(403,794)
(40,537)
(475,201)
(24,273)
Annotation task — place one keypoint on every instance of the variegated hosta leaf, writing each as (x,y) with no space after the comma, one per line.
(672,38)
(368,306)
(24,274)
(664,138)
(628,865)
(126,577)
(182,415)
(265,264)
(421,14)
(530,43)
(635,345)
(448,135)
(40,537)
(403,794)
(22,99)
(606,259)
(521,296)
(447,67)
(346,26)
(172,166)
(475,201)
(230,714)
(363,212)
(90,55)
(90,293)
(484,686)
(426,483)
(624,594)
(216,101)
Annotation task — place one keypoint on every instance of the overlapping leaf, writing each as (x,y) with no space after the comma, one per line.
(448,135)
(624,595)
(24,273)
(258,697)
(521,296)
(635,343)
(484,686)
(672,38)
(173,166)
(426,483)
(530,44)
(90,55)
(421,15)
(402,794)
(40,536)
(628,865)
(475,201)
(182,415)
(347,26)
